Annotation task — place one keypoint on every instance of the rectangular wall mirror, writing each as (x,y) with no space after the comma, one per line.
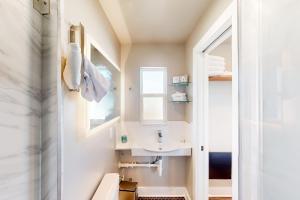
(108,108)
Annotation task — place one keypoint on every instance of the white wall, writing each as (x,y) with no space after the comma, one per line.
(86,159)
(220,116)
(171,56)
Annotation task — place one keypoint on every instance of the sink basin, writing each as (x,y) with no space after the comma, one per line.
(159,149)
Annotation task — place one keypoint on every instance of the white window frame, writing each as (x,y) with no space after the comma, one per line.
(163,95)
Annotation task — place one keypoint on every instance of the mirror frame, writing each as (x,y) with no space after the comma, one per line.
(89,41)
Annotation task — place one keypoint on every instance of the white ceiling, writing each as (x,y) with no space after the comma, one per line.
(160,21)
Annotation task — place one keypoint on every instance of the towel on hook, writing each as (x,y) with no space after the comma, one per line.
(72,71)
(94,86)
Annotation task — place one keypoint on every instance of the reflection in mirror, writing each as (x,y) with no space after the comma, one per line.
(109,106)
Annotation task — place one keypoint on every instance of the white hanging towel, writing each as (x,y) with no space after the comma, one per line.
(102,85)
(94,85)
(72,71)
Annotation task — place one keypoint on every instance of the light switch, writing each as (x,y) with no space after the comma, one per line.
(42,6)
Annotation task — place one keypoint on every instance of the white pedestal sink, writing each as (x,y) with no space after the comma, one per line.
(162,149)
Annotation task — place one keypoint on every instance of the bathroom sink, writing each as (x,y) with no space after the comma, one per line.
(161,147)
(158,149)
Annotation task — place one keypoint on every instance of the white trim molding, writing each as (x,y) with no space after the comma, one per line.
(164,192)
(226,23)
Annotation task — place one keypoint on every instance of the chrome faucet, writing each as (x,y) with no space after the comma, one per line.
(160,136)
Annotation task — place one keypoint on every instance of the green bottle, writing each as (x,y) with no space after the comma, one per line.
(124,138)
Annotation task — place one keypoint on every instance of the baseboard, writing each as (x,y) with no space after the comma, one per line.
(163,192)
(187,195)
(220,196)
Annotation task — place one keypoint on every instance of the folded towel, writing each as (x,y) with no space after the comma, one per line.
(179,96)
(215,58)
(94,85)
(72,71)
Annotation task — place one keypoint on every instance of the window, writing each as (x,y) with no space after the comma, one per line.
(153,91)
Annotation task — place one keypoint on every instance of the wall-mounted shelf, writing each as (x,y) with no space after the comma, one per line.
(187,101)
(221,78)
(181,84)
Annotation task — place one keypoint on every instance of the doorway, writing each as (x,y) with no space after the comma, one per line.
(216,126)
(219,67)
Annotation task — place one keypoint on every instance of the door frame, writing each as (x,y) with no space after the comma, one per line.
(228,19)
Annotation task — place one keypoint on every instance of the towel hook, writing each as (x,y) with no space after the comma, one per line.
(73,30)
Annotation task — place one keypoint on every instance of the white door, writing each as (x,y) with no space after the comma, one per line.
(270,96)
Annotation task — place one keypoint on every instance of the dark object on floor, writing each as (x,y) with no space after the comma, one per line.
(220,198)
(161,198)
(220,165)
(128,190)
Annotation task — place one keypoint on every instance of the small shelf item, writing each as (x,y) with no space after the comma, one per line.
(180,80)
(227,77)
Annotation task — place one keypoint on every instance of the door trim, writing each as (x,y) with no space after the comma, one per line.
(227,20)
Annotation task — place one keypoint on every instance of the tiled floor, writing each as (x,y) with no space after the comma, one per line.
(161,198)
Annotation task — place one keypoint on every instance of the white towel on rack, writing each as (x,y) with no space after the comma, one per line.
(179,96)
(94,85)
(72,71)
